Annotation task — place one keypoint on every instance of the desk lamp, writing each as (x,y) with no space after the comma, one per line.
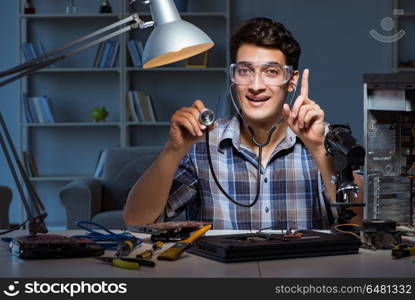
(172,40)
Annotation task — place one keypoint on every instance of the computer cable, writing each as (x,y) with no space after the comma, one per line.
(336,227)
(110,240)
(14,228)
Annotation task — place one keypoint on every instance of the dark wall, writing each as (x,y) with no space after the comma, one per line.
(336,47)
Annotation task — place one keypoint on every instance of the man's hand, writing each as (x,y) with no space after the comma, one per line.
(185,128)
(306,118)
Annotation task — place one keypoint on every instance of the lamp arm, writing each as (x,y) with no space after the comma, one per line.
(42,61)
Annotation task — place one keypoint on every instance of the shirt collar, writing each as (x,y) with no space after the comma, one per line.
(232,133)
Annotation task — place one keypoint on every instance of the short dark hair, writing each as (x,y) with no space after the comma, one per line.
(264,32)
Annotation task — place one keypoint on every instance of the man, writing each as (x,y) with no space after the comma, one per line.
(295,168)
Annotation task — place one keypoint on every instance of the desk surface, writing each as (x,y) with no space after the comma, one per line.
(367,263)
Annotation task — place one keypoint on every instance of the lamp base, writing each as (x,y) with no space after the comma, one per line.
(44,246)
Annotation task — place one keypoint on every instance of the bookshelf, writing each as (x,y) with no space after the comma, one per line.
(404,55)
(69,148)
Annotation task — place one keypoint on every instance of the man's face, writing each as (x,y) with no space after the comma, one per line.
(261,103)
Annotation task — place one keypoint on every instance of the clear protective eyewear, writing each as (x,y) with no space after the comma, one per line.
(271,73)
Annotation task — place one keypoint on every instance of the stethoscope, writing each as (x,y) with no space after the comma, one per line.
(207,118)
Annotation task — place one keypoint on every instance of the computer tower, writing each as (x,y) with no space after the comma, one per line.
(389,140)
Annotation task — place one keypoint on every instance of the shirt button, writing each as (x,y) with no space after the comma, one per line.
(265,179)
(266,209)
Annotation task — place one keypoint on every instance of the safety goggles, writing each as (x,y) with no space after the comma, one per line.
(271,73)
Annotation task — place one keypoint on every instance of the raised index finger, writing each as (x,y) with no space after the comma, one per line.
(304,83)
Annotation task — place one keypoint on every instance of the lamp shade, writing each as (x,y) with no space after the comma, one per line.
(172,38)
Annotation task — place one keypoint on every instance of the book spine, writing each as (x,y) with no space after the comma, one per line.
(32,50)
(39,49)
(110,54)
(32,110)
(26,109)
(38,108)
(135,59)
(104,55)
(144,106)
(98,55)
(139,46)
(27,52)
(137,53)
(99,170)
(130,107)
(151,107)
(47,112)
(137,107)
(115,54)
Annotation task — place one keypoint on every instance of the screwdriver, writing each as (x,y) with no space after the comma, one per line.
(127,262)
(125,247)
(174,252)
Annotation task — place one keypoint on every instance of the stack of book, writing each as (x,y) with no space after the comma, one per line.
(140,107)
(37,110)
(32,50)
(107,54)
(135,48)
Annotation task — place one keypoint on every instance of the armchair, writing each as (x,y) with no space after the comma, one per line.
(102,199)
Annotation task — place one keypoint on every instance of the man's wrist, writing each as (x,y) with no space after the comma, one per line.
(175,152)
(317,150)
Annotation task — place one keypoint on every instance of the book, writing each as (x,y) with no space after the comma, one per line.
(98,55)
(144,106)
(140,48)
(110,54)
(39,49)
(26,109)
(99,169)
(27,52)
(32,109)
(134,55)
(46,111)
(132,114)
(137,107)
(105,53)
(115,54)
(32,50)
(38,109)
(151,107)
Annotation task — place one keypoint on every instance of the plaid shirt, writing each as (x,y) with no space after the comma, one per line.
(291,188)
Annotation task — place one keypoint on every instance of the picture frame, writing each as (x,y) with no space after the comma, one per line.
(197,61)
